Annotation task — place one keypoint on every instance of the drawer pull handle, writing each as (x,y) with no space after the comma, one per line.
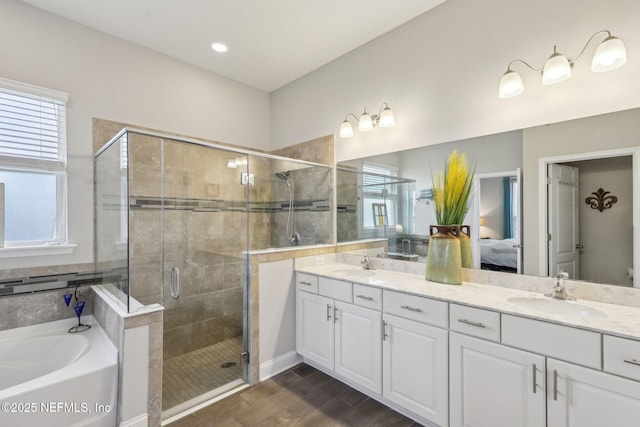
(555,385)
(328,312)
(335,314)
(364,297)
(535,373)
(304,283)
(632,361)
(469,322)
(384,331)
(406,307)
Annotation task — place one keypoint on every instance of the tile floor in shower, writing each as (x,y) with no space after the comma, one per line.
(192,374)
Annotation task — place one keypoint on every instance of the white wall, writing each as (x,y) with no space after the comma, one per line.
(109,78)
(440,74)
(277,317)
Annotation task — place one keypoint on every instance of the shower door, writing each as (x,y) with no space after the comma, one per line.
(205,234)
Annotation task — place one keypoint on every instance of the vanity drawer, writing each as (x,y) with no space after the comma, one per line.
(474,321)
(622,357)
(413,307)
(562,342)
(336,289)
(367,296)
(307,282)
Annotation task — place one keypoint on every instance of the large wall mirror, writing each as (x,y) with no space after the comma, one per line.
(549,198)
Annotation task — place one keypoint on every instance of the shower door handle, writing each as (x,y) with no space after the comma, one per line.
(175,282)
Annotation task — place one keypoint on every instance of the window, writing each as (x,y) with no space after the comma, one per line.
(376,192)
(33,163)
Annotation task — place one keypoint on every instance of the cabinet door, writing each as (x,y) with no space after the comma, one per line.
(415,367)
(495,386)
(582,397)
(358,344)
(314,328)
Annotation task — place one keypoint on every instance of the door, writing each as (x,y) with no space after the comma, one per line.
(314,333)
(581,397)
(358,345)
(415,367)
(495,386)
(562,220)
(204,322)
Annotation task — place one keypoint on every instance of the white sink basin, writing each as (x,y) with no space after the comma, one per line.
(559,307)
(356,273)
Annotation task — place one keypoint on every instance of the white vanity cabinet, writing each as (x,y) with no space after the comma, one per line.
(494,385)
(415,354)
(582,397)
(314,328)
(449,363)
(358,339)
(338,335)
(415,367)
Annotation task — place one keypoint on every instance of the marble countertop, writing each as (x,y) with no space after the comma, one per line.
(622,321)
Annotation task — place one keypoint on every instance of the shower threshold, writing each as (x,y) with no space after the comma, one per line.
(189,407)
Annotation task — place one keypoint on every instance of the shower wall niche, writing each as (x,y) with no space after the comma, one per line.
(177,218)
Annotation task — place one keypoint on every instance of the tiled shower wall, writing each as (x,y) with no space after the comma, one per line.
(205,245)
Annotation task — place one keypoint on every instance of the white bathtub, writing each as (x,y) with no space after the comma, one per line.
(51,377)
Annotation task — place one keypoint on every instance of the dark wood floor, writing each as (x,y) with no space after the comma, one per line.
(301,396)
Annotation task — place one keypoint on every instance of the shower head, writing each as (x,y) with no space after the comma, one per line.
(283,175)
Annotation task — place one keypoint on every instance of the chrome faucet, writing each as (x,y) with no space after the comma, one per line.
(559,291)
(402,246)
(366,263)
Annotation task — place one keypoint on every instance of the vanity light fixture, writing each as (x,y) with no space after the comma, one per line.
(367,121)
(609,55)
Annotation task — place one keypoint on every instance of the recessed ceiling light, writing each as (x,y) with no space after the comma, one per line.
(219,47)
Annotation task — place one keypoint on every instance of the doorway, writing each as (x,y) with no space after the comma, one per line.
(589,204)
(495,218)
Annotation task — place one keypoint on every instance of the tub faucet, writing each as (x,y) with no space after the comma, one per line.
(366,263)
(559,291)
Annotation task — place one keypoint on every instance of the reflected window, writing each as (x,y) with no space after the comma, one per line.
(378,191)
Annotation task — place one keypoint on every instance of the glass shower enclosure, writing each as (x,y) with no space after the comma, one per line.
(177,218)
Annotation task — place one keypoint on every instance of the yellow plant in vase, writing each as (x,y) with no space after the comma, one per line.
(450,246)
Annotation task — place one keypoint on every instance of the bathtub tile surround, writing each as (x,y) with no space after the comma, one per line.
(40,307)
(138,338)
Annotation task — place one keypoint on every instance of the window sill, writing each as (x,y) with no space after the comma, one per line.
(41,250)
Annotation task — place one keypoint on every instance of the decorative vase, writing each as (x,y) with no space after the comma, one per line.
(444,261)
(465,246)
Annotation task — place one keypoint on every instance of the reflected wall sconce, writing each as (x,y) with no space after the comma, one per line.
(366,122)
(609,55)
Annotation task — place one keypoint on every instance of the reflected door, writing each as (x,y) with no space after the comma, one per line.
(563,226)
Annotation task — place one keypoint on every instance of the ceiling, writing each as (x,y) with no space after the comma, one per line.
(271,42)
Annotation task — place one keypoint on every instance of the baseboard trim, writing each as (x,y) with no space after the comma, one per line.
(273,367)
(139,421)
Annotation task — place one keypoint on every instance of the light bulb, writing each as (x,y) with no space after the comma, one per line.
(510,85)
(365,124)
(386,118)
(610,55)
(556,69)
(346,130)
